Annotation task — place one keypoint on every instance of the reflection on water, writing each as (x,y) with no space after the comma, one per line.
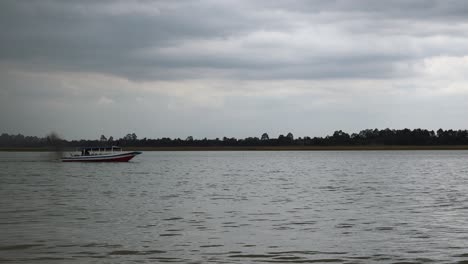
(237,207)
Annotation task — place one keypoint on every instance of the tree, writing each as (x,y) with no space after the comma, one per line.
(103,138)
(265,136)
(340,138)
(290,136)
(131,137)
(111,139)
(440,132)
(189,138)
(281,139)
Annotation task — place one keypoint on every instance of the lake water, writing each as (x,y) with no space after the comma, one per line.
(237,207)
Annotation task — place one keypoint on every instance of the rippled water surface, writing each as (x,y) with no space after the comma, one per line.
(237,207)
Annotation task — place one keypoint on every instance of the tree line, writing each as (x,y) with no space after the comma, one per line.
(416,137)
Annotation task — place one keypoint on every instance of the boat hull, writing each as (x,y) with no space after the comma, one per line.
(120,157)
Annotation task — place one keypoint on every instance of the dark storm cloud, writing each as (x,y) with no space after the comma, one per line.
(337,39)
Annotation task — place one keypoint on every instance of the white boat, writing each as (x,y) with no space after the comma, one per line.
(101,154)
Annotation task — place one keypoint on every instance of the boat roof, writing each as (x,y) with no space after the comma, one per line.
(100,148)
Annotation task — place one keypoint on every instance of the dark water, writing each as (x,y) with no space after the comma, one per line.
(237,207)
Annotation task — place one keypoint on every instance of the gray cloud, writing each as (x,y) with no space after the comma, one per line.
(90,36)
(411,10)
(242,65)
(113,37)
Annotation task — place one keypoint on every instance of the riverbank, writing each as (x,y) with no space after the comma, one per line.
(267,148)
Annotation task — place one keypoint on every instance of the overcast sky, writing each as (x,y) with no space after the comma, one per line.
(213,68)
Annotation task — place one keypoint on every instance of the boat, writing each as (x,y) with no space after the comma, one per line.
(101,154)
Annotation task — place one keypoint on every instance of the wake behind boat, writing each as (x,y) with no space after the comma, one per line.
(101,154)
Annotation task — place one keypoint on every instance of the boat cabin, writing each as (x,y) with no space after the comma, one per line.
(91,151)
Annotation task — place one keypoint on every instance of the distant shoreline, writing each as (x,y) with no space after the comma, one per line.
(264,148)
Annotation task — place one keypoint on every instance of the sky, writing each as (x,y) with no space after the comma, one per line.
(212,68)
